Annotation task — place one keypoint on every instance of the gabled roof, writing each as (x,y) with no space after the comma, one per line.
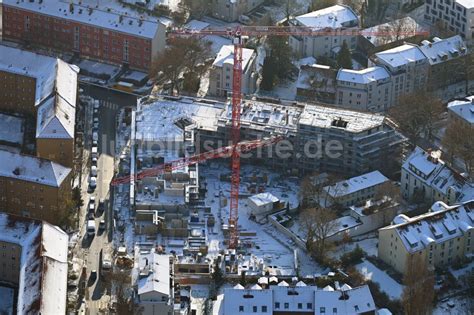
(355,184)
(353,301)
(32,169)
(336,16)
(401,55)
(441,50)
(55,119)
(226,56)
(363,76)
(43,274)
(107,15)
(156,271)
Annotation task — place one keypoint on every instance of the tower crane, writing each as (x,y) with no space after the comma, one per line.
(238,34)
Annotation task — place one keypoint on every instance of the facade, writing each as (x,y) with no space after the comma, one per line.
(441,236)
(154,285)
(107,34)
(33,187)
(455,15)
(408,67)
(263,203)
(354,190)
(462,112)
(231,10)
(318,138)
(33,260)
(445,57)
(335,19)
(365,90)
(45,88)
(221,74)
(425,177)
(298,299)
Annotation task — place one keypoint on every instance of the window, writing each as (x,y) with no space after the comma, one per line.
(300,306)
(287,306)
(241,308)
(277,305)
(334,310)
(255,309)
(322,310)
(309,306)
(264,309)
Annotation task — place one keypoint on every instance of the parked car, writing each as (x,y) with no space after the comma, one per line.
(94,152)
(92,183)
(101,206)
(94,161)
(95,136)
(91,227)
(91,206)
(102,225)
(94,170)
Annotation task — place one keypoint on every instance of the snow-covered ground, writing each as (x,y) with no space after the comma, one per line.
(387,284)
(368,245)
(459,305)
(98,68)
(6,300)
(268,244)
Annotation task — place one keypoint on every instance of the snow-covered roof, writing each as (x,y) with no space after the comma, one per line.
(446,223)
(323,77)
(291,295)
(11,129)
(392,31)
(353,301)
(237,297)
(196,25)
(468,4)
(401,55)
(355,184)
(156,121)
(463,109)
(324,117)
(263,199)
(423,165)
(107,16)
(226,56)
(51,74)
(32,169)
(364,76)
(334,17)
(156,271)
(441,50)
(43,274)
(55,119)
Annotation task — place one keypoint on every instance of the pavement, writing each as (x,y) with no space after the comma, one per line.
(97,293)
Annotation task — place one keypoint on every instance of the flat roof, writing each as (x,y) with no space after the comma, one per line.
(226,56)
(32,169)
(104,16)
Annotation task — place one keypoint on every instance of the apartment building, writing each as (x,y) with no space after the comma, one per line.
(45,88)
(408,67)
(442,236)
(299,298)
(33,187)
(336,20)
(426,177)
(445,57)
(462,112)
(455,15)
(33,260)
(317,138)
(365,90)
(231,10)
(221,74)
(354,190)
(105,32)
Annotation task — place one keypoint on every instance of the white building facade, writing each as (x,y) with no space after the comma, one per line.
(456,15)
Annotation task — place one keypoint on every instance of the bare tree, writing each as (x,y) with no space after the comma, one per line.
(197,8)
(318,224)
(321,4)
(458,140)
(418,294)
(416,114)
(180,57)
(388,189)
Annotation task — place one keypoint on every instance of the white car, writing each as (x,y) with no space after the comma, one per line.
(96,104)
(94,171)
(95,136)
(94,152)
(93,183)
(94,161)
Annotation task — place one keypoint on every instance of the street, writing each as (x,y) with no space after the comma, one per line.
(97,295)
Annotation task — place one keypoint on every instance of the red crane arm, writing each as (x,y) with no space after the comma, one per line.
(292,30)
(224,152)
